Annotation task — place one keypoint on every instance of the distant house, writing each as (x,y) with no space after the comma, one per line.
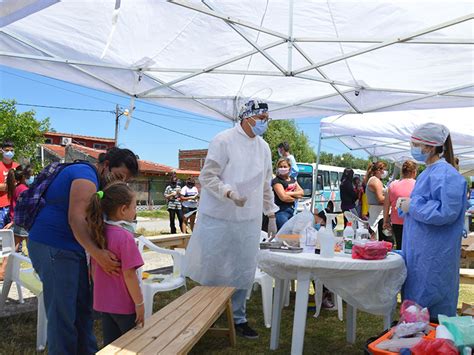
(192,159)
(149,185)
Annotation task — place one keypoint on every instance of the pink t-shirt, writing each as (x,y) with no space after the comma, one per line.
(110,292)
(18,190)
(399,188)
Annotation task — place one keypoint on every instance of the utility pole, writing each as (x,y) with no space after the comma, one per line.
(117,115)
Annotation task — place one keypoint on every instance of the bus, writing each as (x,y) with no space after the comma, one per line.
(325,186)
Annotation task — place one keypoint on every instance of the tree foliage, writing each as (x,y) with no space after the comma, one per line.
(286,130)
(24,130)
(345,160)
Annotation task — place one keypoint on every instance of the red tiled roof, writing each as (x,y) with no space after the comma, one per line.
(98,139)
(143,165)
(57,150)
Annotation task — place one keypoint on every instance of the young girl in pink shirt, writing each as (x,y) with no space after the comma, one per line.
(117,297)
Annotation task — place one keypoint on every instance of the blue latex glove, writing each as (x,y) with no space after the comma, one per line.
(317,226)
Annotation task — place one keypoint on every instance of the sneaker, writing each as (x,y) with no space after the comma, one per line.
(245,331)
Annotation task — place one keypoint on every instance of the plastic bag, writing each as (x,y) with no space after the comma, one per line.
(371,250)
(462,329)
(434,347)
(413,319)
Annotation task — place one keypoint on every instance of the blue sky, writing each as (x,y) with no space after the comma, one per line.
(149,142)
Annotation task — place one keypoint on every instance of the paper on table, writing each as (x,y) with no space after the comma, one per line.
(246,188)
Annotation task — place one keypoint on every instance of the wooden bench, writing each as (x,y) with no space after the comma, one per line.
(466,276)
(171,240)
(177,327)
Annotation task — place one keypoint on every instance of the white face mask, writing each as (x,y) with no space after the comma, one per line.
(384,174)
(129,226)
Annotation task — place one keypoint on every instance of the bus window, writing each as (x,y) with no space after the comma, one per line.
(334,180)
(340,178)
(319,184)
(326,179)
(306,183)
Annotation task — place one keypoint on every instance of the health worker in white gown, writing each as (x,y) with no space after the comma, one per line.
(235,182)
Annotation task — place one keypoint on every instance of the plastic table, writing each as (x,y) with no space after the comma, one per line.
(368,285)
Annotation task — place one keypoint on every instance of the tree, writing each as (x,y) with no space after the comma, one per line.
(285,130)
(24,130)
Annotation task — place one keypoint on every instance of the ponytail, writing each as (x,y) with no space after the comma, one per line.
(95,221)
(106,203)
(448,153)
(11,183)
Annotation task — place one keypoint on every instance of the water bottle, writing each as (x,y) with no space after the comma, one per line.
(362,233)
(326,241)
(348,235)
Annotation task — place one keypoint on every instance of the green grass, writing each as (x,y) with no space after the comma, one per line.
(324,335)
(161,213)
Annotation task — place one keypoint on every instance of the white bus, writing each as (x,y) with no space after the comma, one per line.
(326,185)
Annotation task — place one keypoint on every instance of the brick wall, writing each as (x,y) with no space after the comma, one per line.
(192,159)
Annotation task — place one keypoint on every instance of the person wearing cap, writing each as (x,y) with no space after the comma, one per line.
(235,191)
(433,225)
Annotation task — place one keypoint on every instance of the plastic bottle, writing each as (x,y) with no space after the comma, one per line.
(348,238)
(362,233)
(327,242)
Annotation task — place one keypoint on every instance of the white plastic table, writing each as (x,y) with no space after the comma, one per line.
(368,285)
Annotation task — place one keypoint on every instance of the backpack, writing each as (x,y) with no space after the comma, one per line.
(31,201)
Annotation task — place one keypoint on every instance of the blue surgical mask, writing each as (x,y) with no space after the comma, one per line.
(30,180)
(260,127)
(9,155)
(418,155)
(317,226)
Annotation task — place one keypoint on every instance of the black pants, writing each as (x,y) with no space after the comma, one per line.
(115,325)
(398,232)
(382,236)
(178,213)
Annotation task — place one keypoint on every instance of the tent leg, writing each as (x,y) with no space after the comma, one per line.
(315,183)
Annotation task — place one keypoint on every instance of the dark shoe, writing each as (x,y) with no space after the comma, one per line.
(327,304)
(245,331)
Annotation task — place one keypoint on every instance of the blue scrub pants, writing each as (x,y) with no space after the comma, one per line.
(239,302)
(67,298)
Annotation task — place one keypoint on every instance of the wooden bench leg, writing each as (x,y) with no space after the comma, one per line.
(230,322)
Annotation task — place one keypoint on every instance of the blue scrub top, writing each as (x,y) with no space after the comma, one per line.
(51,225)
(432,234)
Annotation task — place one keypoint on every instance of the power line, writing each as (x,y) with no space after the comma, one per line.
(169,129)
(181,112)
(112,112)
(65,108)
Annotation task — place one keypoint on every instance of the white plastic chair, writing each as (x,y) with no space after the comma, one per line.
(161,283)
(28,279)
(266,284)
(8,246)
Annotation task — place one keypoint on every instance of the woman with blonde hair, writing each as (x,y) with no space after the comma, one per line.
(375,192)
(287,191)
(397,189)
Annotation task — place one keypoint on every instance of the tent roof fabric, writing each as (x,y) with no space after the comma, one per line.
(387,134)
(317,58)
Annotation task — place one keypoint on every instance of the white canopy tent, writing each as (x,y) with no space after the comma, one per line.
(307,58)
(387,134)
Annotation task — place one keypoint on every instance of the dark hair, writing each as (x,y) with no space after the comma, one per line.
(8,144)
(118,157)
(115,195)
(190,180)
(285,146)
(408,168)
(347,175)
(14,178)
(447,150)
(372,169)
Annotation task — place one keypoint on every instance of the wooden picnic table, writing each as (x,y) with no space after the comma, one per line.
(177,327)
(171,240)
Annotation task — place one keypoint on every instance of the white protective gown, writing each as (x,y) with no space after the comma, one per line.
(224,245)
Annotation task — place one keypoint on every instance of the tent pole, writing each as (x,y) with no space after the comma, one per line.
(317,170)
(290,35)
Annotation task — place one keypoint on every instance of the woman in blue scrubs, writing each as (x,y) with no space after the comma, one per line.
(434,217)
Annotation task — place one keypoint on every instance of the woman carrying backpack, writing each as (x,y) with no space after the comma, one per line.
(58,241)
